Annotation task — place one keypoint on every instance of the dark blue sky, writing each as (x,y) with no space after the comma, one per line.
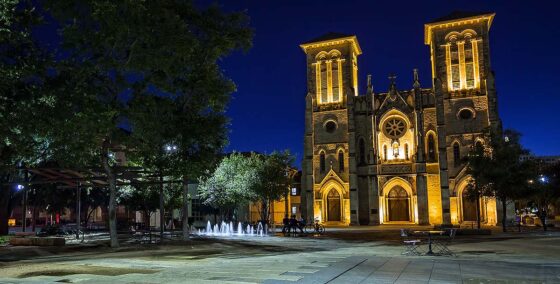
(267,111)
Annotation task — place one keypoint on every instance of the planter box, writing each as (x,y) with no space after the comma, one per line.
(471,232)
(37,241)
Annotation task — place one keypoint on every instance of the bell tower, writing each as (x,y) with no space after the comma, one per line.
(466,103)
(328,172)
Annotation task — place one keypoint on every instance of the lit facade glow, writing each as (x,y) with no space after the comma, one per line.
(402,150)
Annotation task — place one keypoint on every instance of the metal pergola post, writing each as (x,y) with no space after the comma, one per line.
(78,210)
(161,209)
(24,207)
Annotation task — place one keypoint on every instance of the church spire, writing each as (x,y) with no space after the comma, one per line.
(369,85)
(416,83)
(393,85)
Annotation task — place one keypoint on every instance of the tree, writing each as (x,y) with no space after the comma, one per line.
(240,179)
(230,184)
(545,188)
(273,180)
(477,165)
(23,67)
(498,171)
(115,50)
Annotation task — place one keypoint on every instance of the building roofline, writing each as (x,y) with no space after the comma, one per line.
(454,21)
(351,38)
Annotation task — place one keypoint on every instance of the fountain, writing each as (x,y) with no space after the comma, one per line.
(239,229)
(227,229)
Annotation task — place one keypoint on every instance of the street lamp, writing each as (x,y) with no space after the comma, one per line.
(169,148)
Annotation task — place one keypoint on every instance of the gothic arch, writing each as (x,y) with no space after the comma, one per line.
(397,181)
(431,146)
(322,161)
(332,182)
(468,33)
(452,36)
(464,207)
(321,55)
(384,200)
(334,53)
(456,146)
(392,113)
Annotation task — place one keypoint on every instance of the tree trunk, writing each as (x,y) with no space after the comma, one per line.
(185,216)
(161,208)
(264,208)
(34,216)
(86,221)
(4,211)
(112,195)
(504,213)
(478,211)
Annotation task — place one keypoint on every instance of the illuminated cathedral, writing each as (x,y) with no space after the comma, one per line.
(397,157)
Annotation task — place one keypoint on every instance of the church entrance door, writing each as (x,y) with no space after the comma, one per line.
(398,201)
(469,207)
(333,206)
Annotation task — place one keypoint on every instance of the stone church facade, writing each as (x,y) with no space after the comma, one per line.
(396,157)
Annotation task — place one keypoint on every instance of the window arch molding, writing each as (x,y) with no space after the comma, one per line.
(341,160)
(479,142)
(468,33)
(431,146)
(462,109)
(394,113)
(456,153)
(322,161)
(321,55)
(334,54)
(330,125)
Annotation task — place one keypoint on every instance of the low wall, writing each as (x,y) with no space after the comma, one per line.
(37,241)
(471,232)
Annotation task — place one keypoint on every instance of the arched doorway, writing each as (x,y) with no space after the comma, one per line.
(469,207)
(398,202)
(333,206)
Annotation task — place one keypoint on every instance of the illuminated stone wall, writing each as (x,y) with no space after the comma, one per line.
(455,108)
(434,199)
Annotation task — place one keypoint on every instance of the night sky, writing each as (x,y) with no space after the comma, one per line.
(267,111)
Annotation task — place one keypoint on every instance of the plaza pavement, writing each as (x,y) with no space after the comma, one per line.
(364,255)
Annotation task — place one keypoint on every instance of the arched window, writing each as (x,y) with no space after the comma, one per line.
(406,151)
(469,61)
(478,147)
(340,161)
(362,151)
(385,152)
(322,161)
(456,154)
(462,60)
(431,148)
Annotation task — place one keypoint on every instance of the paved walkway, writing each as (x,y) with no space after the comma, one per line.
(533,258)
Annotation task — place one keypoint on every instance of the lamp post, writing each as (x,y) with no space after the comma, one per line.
(78,210)
(24,207)
(169,149)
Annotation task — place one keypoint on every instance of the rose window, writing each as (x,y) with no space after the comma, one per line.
(394,128)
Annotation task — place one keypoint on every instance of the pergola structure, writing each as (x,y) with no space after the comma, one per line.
(80,179)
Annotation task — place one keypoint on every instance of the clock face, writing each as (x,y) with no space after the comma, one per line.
(394,127)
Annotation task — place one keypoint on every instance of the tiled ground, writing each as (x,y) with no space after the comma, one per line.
(528,259)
